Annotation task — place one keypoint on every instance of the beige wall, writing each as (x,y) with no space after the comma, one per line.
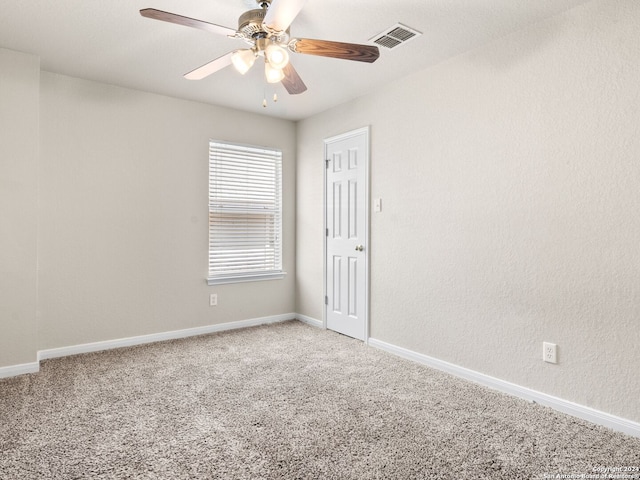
(19,92)
(123,234)
(510,179)
(103,200)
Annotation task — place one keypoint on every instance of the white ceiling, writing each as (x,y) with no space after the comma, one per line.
(111,43)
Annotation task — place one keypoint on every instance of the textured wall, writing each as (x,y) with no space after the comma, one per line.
(123,234)
(19,92)
(509,178)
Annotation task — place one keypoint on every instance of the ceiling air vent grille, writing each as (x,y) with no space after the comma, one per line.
(395,36)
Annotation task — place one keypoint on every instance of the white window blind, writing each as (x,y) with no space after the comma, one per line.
(245,213)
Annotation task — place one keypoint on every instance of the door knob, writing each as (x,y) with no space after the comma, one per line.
(359,248)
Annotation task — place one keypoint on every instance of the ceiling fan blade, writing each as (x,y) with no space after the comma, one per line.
(326,48)
(186,21)
(209,68)
(292,81)
(281,14)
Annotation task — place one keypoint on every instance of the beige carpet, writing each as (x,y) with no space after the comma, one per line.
(285,401)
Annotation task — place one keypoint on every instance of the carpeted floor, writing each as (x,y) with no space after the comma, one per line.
(284,401)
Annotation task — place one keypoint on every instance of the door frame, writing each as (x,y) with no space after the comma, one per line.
(352,133)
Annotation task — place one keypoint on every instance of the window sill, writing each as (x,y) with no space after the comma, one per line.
(246,278)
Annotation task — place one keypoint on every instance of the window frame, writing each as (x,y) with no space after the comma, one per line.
(250,208)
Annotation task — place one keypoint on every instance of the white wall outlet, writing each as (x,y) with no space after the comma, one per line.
(213,299)
(550,352)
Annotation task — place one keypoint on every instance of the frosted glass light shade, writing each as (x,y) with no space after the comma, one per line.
(274,75)
(243,60)
(277,56)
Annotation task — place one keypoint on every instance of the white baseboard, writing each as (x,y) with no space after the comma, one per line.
(309,320)
(159,337)
(586,413)
(21,369)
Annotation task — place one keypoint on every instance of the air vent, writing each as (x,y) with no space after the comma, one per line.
(395,36)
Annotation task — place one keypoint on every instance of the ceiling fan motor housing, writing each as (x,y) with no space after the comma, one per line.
(250,23)
(250,27)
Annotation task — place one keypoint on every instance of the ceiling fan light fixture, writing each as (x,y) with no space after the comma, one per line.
(277,56)
(243,60)
(274,75)
(266,30)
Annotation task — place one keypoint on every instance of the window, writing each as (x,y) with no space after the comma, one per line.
(245,213)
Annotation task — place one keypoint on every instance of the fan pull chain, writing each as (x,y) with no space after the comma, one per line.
(264,98)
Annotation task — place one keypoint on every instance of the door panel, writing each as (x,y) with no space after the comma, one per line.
(346,242)
(353,209)
(337,277)
(337,210)
(353,287)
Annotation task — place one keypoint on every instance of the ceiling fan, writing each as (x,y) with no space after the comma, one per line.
(266,30)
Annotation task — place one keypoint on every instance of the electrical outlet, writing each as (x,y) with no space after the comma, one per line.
(213,299)
(550,352)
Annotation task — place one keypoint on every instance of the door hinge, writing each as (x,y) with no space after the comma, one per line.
(327,232)
(326,300)
(326,163)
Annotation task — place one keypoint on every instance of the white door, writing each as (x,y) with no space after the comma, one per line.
(347,221)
